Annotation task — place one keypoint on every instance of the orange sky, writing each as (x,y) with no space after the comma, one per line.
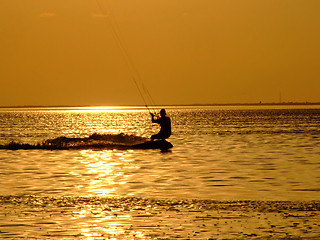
(64,52)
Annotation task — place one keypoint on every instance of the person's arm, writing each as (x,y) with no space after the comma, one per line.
(153,119)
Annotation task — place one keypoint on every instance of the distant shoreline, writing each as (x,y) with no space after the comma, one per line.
(253,104)
(194,104)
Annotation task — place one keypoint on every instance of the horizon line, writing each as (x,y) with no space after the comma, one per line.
(159,105)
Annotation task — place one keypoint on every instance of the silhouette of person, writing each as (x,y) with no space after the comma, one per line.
(165,125)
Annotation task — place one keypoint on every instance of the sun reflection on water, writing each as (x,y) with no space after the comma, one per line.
(106,170)
(98,223)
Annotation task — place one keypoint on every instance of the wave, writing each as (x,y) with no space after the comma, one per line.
(95,141)
(154,203)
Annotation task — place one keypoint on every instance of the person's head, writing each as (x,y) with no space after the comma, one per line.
(162,112)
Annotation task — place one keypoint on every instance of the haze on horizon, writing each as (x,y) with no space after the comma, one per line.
(63,52)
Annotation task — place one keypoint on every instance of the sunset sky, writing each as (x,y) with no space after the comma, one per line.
(70,52)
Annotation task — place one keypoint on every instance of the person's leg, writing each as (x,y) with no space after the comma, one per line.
(156,136)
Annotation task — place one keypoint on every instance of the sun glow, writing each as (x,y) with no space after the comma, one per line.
(109,108)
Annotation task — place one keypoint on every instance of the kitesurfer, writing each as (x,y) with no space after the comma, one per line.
(165,125)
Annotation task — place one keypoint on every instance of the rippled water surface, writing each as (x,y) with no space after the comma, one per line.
(223,153)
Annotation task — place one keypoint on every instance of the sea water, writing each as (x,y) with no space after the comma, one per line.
(219,153)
